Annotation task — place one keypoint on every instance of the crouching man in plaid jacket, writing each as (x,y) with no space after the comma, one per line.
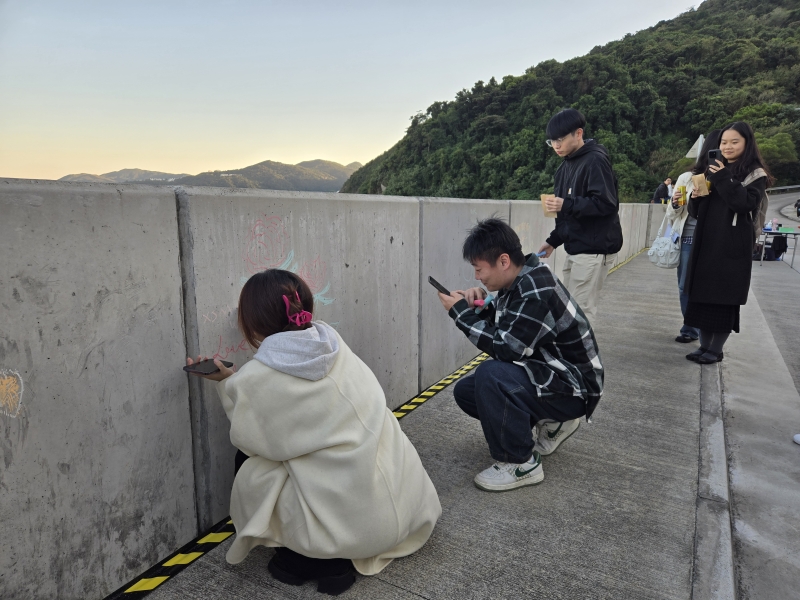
(546,373)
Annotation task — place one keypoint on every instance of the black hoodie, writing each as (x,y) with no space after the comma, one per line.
(588,222)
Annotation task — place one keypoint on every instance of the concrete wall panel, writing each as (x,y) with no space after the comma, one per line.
(445,222)
(532,227)
(359,255)
(95,433)
(659,210)
(643,216)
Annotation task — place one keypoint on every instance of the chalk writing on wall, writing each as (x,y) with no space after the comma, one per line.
(222,313)
(11,388)
(224,351)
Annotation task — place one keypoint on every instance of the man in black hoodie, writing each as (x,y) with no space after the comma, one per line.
(586,201)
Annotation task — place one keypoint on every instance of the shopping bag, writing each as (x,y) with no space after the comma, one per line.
(666,249)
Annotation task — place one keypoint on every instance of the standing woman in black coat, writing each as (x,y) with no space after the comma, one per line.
(718,278)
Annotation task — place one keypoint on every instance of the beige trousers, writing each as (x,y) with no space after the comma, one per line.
(584,275)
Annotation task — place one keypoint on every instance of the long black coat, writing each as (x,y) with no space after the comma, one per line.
(722,249)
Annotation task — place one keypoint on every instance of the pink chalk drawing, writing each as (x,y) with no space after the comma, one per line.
(267,245)
(224,351)
(11,388)
(314,273)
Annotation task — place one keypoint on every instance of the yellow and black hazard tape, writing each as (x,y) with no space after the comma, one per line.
(625,262)
(178,561)
(437,387)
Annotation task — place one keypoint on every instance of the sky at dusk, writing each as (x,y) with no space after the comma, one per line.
(185,87)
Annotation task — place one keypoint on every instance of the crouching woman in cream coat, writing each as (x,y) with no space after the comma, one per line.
(326,475)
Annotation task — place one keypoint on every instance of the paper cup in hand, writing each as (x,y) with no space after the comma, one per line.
(699,184)
(547,213)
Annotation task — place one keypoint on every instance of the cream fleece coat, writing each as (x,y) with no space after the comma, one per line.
(677,216)
(330,473)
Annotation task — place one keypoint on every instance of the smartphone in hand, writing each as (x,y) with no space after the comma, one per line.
(438,286)
(716,155)
(206,367)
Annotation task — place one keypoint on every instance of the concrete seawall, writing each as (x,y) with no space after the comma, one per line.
(112,456)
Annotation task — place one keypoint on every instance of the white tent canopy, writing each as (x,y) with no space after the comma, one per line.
(694,152)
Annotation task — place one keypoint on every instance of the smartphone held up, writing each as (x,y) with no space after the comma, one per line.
(716,155)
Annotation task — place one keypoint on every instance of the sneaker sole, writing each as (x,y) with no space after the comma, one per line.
(543,453)
(488,487)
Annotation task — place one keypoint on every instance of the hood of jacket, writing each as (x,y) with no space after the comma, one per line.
(308,354)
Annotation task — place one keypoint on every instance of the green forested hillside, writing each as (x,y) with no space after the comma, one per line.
(646,97)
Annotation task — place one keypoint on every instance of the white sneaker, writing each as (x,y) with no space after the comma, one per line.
(552,435)
(796,438)
(508,476)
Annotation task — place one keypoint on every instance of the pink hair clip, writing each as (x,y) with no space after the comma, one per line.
(300,318)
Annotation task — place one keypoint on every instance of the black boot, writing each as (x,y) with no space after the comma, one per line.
(333,575)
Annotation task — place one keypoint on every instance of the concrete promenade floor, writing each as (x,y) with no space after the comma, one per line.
(636,505)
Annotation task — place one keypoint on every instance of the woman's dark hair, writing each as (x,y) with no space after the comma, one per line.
(262,311)
(711,143)
(489,239)
(751,158)
(565,122)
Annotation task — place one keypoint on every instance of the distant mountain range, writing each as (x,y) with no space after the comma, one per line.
(307,176)
(127,176)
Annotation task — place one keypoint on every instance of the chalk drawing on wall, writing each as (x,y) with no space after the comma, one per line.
(11,388)
(315,274)
(268,246)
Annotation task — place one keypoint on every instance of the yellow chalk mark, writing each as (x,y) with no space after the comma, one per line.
(10,393)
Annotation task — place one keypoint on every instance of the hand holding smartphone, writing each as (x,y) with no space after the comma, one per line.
(714,158)
(207,367)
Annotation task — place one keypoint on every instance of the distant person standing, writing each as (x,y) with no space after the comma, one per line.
(586,201)
(663,192)
(797,207)
(720,264)
(683,225)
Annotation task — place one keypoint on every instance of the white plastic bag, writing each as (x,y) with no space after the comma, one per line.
(665,252)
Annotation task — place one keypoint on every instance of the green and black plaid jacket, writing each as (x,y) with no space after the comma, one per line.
(538,325)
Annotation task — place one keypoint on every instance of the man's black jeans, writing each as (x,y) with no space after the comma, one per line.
(503,398)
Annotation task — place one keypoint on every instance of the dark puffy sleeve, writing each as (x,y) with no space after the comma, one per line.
(738,198)
(600,199)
